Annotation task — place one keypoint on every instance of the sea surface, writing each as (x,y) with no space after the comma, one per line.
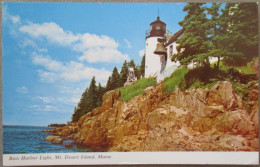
(31,139)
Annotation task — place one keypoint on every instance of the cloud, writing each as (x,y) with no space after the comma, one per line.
(71,71)
(87,41)
(46,99)
(22,90)
(47,62)
(75,99)
(30,43)
(46,76)
(15,19)
(51,31)
(141,52)
(76,73)
(128,44)
(93,48)
(46,107)
(103,55)
(66,100)
(11,21)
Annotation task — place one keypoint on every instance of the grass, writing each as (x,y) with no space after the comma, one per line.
(137,88)
(174,80)
(197,78)
(243,69)
(207,78)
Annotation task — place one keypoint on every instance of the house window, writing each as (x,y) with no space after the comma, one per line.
(170,52)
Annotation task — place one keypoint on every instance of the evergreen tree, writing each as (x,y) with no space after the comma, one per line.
(109,84)
(213,32)
(76,115)
(239,33)
(142,66)
(100,93)
(81,107)
(92,96)
(194,44)
(115,79)
(123,73)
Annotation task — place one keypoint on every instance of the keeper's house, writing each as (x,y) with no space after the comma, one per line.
(160,47)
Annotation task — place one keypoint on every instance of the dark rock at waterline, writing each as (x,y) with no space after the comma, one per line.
(69,145)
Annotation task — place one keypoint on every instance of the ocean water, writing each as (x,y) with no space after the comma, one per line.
(31,139)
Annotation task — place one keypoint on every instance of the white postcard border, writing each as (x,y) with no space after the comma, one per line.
(102,158)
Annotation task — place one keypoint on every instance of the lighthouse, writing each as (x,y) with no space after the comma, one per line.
(152,60)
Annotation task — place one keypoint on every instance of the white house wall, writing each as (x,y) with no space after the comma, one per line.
(152,61)
(171,63)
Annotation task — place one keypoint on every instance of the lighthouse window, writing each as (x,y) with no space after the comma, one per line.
(158,28)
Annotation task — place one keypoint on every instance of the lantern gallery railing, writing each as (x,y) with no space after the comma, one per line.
(147,33)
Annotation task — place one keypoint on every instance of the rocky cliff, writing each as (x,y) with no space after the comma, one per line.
(194,120)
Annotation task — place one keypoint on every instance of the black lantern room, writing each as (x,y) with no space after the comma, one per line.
(157,28)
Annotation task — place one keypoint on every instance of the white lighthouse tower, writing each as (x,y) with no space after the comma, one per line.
(152,61)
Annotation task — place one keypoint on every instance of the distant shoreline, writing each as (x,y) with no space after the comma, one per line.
(55,125)
(25,126)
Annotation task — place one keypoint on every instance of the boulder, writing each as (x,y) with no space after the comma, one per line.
(110,98)
(54,139)
(222,94)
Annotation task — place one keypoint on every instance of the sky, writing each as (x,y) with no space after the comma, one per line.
(51,51)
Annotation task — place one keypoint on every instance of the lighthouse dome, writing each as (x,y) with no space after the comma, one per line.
(157,28)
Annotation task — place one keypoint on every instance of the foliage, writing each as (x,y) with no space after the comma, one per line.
(115,79)
(247,69)
(142,66)
(92,96)
(109,84)
(230,34)
(213,32)
(174,80)
(194,45)
(90,99)
(79,109)
(240,36)
(201,78)
(123,73)
(137,88)
(100,92)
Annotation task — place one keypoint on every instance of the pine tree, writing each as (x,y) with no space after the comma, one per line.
(76,115)
(239,33)
(109,84)
(100,93)
(123,73)
(81,107)
(213,32)
(92,96)
(194,44)
(115,79)
(142,66)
